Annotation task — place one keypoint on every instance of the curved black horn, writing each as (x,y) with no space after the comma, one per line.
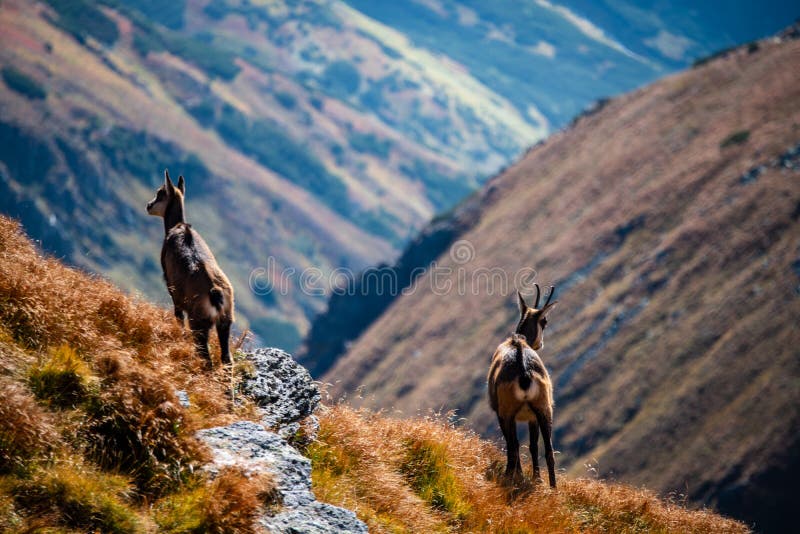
(536,304)
(550,296)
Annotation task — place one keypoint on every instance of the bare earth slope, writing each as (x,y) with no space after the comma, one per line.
(669,222)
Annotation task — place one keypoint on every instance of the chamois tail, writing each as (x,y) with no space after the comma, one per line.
(217,297)
(518,341)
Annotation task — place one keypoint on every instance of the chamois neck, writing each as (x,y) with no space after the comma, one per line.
(173,215)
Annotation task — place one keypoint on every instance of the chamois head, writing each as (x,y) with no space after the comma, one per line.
(166,196)
(533,321)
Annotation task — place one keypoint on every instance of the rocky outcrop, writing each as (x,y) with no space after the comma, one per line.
(284,392)
(286,397)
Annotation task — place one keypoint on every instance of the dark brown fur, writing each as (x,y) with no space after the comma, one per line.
(198,287)
(520,389)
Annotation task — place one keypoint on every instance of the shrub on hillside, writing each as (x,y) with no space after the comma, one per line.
(341,79)
(18,81)
(736,138)
(228,503)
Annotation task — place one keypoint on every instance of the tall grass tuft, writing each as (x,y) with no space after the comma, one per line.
(137,425)
(426,467)
(26,431)
(228,503)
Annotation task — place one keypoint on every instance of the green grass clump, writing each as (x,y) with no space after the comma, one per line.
(79,497)
(736,138)
(23,84)
(427,469)
(63,380)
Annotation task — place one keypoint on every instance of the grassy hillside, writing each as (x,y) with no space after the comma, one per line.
(423,475)
(324,139)
(668,220)
(93,438)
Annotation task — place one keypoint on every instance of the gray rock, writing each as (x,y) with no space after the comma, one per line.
(316,518)
(286,396)
(248,445)
(282,388)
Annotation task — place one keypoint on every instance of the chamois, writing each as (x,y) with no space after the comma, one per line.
(520,388)
(198,287)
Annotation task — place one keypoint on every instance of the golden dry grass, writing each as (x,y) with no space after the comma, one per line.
(92,437)
(89,376)
(229,504)
(423,475)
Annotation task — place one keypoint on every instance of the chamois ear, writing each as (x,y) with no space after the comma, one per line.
(549,307)
(521,301)
(167,182)
(182,184)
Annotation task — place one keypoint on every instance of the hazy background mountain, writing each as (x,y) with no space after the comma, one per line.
(669,221)
(304,138)
(312,133)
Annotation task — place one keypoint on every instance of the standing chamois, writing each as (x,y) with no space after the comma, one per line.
(198,287)
(520,388)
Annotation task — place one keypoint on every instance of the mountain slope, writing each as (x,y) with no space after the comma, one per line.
(668,220)
(323,137)
(326,132)
(103,398)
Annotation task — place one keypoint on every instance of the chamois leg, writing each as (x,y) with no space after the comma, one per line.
(507,438)
(546,424)
(200,329)
(533,430)
(224,334)
(179,315)
(512,445)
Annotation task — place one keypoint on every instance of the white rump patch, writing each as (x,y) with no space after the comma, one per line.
(526,395)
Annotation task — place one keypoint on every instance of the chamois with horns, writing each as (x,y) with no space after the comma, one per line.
(198,287)
(520,389)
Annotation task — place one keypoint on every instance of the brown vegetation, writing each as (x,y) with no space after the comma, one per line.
(422,475)
(110,365)
(105,446)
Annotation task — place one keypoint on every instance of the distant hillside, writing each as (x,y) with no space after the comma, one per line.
(668,221)
(550,58)
(309,135)
(314,133)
